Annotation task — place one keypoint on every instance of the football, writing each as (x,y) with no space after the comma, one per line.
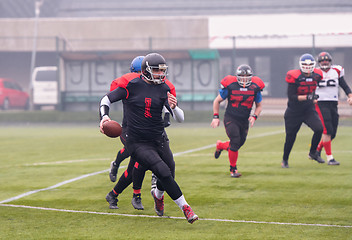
(112,129)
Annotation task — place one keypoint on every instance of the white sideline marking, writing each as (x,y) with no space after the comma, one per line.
(154,216)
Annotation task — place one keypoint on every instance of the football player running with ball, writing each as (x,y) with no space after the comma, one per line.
(241,91)
(144,97)
(300,106)
(328,91)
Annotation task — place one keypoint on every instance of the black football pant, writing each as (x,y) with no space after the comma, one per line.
(237,132)
(329,116)
(293,122)
(157,156)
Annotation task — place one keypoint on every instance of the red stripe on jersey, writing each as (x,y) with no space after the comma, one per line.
(338,71)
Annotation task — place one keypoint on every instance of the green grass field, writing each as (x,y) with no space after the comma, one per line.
(43,197)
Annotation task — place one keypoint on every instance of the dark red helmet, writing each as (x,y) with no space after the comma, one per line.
(324,60)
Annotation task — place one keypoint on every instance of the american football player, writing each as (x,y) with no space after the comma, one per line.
(300,106)
(241,91)
(333,78)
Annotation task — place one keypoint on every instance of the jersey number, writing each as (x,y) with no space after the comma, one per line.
(246,103)
(148,104)
(329,83)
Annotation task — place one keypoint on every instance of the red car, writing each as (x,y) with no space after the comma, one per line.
(12,95)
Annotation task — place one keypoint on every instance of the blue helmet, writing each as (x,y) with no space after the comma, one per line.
(136,64)
(307,63)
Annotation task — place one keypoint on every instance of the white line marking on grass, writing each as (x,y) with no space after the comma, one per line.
(153,216)
(52,187)
(213,145)
(150,216)
(95,173)
(55,186)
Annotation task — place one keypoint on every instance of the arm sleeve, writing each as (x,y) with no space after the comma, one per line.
(292,92)
(178,114)
(344,85)
(258,97)
(109,98)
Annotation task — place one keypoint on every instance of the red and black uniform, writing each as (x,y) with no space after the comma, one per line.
(127,177)
(240,102)
(146,141)
(299,112)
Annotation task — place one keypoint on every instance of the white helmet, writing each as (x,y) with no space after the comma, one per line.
(307,63)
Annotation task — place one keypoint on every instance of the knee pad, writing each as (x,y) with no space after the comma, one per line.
(161,170)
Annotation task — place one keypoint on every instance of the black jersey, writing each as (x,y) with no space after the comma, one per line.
(240,99)
(143,106)
(299,84)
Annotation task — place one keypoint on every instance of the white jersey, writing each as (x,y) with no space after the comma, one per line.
(328,88)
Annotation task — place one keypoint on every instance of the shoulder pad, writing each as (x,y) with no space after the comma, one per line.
(292,75)
(125,79)
(339,69)
(226,81)
(171,86)
(258,81)
(114,84)
(318,71)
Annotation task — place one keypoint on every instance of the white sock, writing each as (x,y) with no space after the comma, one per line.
(158,193)
(329,157)
(181,201)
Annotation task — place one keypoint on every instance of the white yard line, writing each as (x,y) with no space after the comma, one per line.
(3,203)
(181,218)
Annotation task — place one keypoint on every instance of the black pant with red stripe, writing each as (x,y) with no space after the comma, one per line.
(329,116)
(156,156)
(293,122)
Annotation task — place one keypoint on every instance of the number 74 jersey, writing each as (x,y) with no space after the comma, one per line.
(328,88)
(240,99)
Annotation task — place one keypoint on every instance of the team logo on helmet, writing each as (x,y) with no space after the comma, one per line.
(307,63)
(244,75)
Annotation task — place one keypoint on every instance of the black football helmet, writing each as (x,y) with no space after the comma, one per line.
(324,60)
(154,68)
(244,75)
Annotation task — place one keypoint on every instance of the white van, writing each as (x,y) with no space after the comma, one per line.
(45,86)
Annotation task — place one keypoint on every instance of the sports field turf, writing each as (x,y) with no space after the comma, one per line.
(53,182)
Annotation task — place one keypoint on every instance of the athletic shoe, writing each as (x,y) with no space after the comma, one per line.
(284,164)
(235,174)
(217,151)
(319,153)
(112,201)
(315,156)
(189,214)
(333,162)
(154,179)
(158,204)
(113,171)
(137,201)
